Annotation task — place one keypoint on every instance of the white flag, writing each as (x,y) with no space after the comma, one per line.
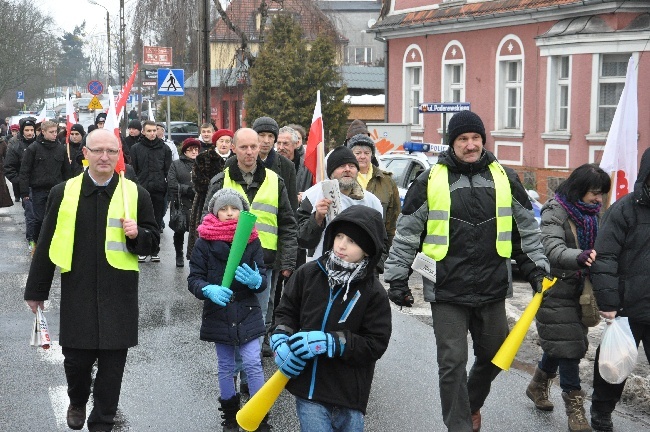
(42,116)
(621,149)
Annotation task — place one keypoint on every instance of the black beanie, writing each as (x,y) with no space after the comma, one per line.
(78,127)
(101,117)
(356,233)
(339,156)
(135,124)
(266,124)
(361,140)
(463,122)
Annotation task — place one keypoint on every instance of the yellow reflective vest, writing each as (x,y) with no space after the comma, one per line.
(436,242)
(117,253)
(264,206)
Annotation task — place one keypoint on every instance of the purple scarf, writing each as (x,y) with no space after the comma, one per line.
(585,217)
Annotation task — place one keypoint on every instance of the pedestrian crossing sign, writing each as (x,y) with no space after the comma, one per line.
(95,104)
(171,82)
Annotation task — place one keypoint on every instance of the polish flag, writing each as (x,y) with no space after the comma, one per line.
(621,149)
(70,118)
(42,115)
(124,94)
(112,124)
(315,152)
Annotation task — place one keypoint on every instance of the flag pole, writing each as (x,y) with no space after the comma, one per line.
(124,195)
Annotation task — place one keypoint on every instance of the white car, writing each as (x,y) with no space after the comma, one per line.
(407,165)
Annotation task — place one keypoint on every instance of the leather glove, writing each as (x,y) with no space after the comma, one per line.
(288,363)
(217,293)
(307,345)
(584,256)
(536,278)
(276,339)
(249,277)
(400,294)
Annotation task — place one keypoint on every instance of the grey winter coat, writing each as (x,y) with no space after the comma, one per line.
(561,332)
(179,180)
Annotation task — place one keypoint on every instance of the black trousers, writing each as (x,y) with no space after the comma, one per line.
(605,395)
(78,365)
(39,201)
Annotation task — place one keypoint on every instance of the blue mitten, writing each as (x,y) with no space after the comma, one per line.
(249,277)
(288,363)
(306,345)
(217,293)
(276,339)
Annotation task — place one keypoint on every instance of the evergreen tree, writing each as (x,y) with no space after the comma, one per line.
(286,76)
(179,110)
(73,62)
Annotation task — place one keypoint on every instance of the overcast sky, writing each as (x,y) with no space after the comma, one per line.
(69,14)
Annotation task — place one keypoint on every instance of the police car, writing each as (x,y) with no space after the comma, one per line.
(416,158)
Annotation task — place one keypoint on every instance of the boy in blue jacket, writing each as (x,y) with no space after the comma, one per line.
(333,323)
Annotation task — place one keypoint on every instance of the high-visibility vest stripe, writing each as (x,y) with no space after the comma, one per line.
(436,242)
(117,254)
(264,206)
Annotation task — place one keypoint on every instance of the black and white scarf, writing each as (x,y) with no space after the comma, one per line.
(340,272)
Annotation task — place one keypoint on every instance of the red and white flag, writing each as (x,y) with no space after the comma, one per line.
(42,116)
(113,125)
(621,149)
(315,152)
(124,94)
(70,118)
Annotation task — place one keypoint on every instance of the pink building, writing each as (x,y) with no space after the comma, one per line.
(545,75)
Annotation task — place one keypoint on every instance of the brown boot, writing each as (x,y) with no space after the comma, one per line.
(539,388)
(575,410)
(476,421)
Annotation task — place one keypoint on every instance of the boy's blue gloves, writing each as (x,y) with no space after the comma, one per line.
(288,363)
(307,345)
(276,339)
(249,277)
(217,293)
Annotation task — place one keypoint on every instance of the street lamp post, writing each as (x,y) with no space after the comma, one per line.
(108,40)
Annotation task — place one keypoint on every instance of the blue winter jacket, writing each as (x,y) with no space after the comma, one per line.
(240,320)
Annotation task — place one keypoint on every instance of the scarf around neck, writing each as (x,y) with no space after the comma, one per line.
(585,217)
(341,272)
(213,229)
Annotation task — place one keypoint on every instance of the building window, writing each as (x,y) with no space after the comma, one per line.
(413,94)
(512,89)
(455,91)
(611,81)
(359,55)
(225,115)
(558,113)
(238,114)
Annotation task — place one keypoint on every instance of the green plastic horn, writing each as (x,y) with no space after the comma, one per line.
(243,231)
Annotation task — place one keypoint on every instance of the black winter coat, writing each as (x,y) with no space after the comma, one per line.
(151,161)
(621,274)
(241,320)
(179,181)
(308,303)
(559,319)
(14,158)
(45,164)
(99,303)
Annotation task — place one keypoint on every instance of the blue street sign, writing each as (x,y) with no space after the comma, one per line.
(171,82)
(95,88)
(444,107)
(20,96)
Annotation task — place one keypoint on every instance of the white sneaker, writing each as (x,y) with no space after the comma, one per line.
(155,258)
(142,258)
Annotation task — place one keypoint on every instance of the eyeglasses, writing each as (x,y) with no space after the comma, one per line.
(98,152)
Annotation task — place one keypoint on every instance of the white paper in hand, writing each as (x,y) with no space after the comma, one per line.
(35,340)
(425,266)
(331,191)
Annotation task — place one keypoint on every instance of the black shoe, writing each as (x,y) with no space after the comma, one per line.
(601,421)
(180,261)
(243,389)
(76,417)
(266,349)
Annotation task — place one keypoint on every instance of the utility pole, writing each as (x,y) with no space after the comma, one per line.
(204,64)
(122,59)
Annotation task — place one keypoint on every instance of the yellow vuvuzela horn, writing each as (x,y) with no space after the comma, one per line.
(510,346)
(251,414)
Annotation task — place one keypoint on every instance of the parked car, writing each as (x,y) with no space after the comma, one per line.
(181,130)
(82,104)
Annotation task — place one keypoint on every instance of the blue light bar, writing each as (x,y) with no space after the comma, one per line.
(411,147)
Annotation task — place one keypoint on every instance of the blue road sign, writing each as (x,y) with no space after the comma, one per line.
(95,88)
(444,107)
(20,96)
(171,82)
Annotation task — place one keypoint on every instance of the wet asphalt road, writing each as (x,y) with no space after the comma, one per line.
(170,383)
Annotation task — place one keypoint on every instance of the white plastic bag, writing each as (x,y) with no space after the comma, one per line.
(40,332)
(618,351)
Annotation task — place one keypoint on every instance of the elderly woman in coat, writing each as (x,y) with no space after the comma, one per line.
(569,227)
(179,184)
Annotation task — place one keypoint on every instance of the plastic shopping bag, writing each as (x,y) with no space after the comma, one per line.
(618,351)
(40,332)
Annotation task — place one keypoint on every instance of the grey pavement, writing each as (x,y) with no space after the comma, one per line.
(170,382)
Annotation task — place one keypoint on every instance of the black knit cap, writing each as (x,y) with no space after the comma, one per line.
(135,124)
(339,156)
(266,124)
(78,127)
(101,117)
(356,233)
(361,140)
(463,122)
